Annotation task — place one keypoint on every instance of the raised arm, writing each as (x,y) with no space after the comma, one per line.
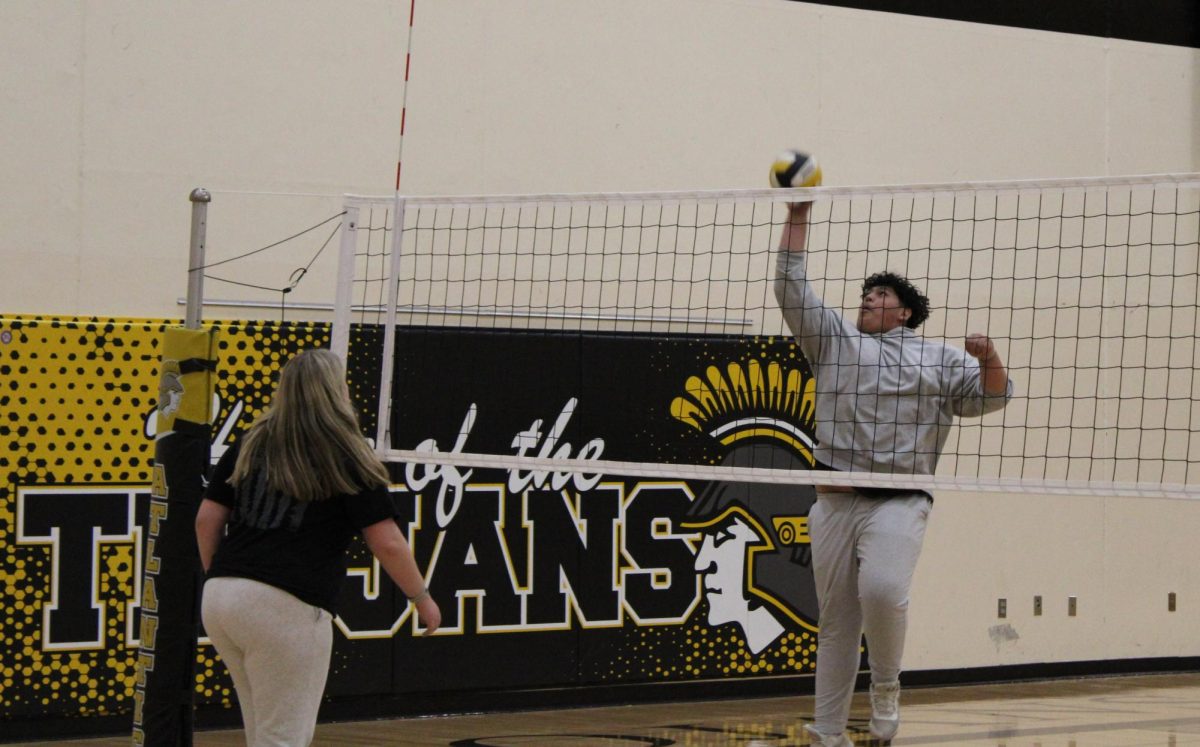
(992,373)
(816,328)
(795,230)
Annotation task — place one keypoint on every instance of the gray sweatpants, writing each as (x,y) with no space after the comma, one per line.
(864,553)
(276,648)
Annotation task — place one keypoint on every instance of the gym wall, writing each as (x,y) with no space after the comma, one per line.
(114,112)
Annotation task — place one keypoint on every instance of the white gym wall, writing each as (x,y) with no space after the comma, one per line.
(112,112)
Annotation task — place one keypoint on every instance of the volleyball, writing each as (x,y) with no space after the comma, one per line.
(794,168)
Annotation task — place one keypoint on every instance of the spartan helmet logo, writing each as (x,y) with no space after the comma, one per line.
(170,389)
(755,555)
(754,558)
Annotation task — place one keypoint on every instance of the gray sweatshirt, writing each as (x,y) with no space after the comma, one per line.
(885,402)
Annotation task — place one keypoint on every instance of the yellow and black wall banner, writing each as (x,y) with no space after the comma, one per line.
(613,580)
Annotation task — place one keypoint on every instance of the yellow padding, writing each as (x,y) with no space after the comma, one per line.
(187,378)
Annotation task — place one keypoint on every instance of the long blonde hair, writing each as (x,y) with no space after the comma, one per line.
(309,440)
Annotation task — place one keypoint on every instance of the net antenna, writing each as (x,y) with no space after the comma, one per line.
(1088,287)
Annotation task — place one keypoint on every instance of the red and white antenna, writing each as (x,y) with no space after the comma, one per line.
(412,9)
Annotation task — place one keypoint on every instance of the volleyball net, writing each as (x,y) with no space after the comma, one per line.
(1087,287)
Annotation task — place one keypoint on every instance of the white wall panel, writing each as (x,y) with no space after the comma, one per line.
(112,112)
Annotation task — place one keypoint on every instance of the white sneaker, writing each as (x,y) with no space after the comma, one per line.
(817,739)
(885,710)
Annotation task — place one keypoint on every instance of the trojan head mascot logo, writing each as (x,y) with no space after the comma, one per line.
(170,391)
(754,557)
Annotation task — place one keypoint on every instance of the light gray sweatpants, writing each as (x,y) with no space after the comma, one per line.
(276,648)
(864,553)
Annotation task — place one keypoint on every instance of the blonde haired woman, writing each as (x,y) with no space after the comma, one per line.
(293,492)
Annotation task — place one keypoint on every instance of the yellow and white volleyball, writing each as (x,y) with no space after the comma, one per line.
(795,168)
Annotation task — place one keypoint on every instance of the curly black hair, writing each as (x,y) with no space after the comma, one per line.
(913,299)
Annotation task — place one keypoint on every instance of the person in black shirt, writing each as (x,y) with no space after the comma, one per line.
(292,494)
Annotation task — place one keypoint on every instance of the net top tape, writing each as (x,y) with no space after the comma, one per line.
(1178,180)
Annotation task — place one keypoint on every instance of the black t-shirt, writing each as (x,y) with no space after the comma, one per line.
(297,546)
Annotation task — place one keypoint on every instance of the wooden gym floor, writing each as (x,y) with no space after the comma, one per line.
(1161,710)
